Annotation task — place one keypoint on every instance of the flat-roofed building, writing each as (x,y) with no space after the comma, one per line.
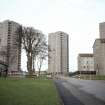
(99,56)
(102,30)
(10,48)
(85,62)
(58,62)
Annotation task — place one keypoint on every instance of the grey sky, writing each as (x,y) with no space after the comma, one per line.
(78,18)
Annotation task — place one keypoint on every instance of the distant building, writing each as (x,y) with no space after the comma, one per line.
(10,49)
(99,51)
(102,30)
(58,62)
(99,56)
(85,62)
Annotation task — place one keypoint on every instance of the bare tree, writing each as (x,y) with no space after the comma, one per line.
(29,39)
(37,49)
(40,58)
(43,53)
(32,42)
(4,66)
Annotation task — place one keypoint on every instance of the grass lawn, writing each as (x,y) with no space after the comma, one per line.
(99,78)
(28,92)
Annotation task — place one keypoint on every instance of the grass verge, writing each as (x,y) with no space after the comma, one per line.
(28,92)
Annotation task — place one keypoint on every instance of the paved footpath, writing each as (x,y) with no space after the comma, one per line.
(93,87)
(74,92)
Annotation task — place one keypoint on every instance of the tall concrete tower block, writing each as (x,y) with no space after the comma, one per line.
(58,62)
(10,51)
(99,56)
(102,30)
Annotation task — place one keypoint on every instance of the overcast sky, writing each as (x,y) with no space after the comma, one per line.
(79,18)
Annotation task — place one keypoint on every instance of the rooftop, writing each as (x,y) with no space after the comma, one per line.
(85,55)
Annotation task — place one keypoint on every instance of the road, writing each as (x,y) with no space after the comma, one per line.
(72,92)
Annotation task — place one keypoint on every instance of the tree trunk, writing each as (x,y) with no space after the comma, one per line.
(29,64)
(33,64)
(40,65)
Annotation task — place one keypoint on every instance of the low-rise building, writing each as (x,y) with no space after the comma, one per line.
(85,63)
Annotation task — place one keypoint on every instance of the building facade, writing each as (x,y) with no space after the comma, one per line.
(85,62)
(58,62)
(10,49)
(102,30)
(99,56)
(99,51)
